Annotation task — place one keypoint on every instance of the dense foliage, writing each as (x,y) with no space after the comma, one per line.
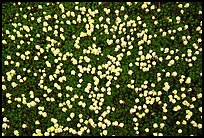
(102,68)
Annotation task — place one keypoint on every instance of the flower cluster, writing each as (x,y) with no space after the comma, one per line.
(129,68)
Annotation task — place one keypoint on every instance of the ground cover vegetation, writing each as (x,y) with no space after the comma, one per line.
(102,68)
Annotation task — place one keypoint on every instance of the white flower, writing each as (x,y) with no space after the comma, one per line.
(39,6)
(25,27)
(64,109)
(154,63)
(5,126)
(144,6)
(146,129)
(59,95)
(36,58)
(125,16)
(166,86)
(129,3)
(12,37)
(199,40)
(54,120)
(72,14)
(108,93)
(107,11)
(100,18)
(24,126)
(167,74)
(16,133)
(46,133)
(37,122)
(180,5)
(185,42)
(116,11)
(186,5)
(130,72)
(105,132)
(4,42)
(179,29)
(171,62)
(14,84)
(103,126)
(166,50)
(45,24)
(48,64)
(122,8)
(83,105)
(121,125)
(155,22)
(198,28)
(44,114)
(109,41)
(39,19)
(178,18)
(87,59)
(199,126)
(62,37)
(160,134)
(128,53)
(164,33)
(188,80)
(180,131)
(174,73)
(138,18)
(72,115)
(24,16)
(5,119)
(4,87)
